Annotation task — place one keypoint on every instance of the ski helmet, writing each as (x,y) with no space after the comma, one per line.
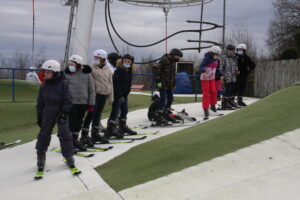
(113,57)
(176,52)
(242,46)
(75,58)
(51,65)
(100,53)
(230,47)
(215,49)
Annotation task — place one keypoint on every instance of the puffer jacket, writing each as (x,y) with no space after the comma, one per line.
(122,80)
(81,85)
(209,67)
(244,62)
(229,68)
(165,73)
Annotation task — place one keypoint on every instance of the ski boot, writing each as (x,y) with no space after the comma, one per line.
(71,164)
(96,137)
(241,102)
(125,129)
(160,119)
(206,115)
(41,160)
(225,105)
(113,130)
(232,103)
(213,108)
(77,145)
(85,140)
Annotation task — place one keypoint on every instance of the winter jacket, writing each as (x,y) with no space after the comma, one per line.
(103,79)
(229,68)
(244,62)
(54,97)
(165,73)
(209,68)
(81,85)
(122,79)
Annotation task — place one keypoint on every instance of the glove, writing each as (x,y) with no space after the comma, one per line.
(90,108)
(39,121)
(62,118)
(122,100)
(159,85)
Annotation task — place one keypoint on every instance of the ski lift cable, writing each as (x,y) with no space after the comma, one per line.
(115,47)
(155,43)
(33,33)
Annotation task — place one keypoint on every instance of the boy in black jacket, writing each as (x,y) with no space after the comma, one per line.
(122,79)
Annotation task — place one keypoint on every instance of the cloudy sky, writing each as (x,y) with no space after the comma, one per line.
(138,25)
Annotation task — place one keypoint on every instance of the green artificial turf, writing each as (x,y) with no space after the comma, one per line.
(272,116)
(18,120)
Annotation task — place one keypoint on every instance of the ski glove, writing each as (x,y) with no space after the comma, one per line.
(121,100)
(90,108)
(62,118)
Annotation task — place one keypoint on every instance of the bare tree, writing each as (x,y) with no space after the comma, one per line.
(241,34)
(282,28)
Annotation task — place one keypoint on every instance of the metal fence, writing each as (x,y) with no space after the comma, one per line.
(13,87)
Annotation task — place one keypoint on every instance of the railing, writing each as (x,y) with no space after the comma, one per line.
(12,79)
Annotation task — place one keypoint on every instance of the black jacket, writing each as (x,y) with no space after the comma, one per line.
(244,62)
(54,96)
(122,79)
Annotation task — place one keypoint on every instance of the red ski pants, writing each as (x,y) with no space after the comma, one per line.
(209,94)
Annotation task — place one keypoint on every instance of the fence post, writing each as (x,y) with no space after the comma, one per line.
(196,88)
(152,89)
(13,85)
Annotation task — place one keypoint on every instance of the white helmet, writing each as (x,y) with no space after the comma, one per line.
(100,53)
(76,58)
(51,65)
(216,50)
(242,46)
(32,67)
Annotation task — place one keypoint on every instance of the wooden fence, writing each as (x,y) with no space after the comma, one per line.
(271,76)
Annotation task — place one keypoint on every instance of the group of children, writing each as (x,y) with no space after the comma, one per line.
(74,100)
(230,69)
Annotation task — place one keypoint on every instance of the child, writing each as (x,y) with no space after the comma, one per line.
(122,85)
(208,70)
(82,88)
(53,107)
(102,76)
(230,71)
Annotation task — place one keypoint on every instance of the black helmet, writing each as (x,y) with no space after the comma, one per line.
(176,52)
(113,57)
(230,47)
(129,57)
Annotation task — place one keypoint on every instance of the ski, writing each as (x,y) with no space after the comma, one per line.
(154,133)
(130,138)
(102,148)
(91,150)
(58,150)
(168,125)
(75,171)
(121,142)
(9,144)
(39,175)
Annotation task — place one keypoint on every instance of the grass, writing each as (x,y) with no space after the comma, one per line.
(18,120)
(272,116)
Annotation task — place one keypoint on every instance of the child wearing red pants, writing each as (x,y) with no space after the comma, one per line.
(208,69)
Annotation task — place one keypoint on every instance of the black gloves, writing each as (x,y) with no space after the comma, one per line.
(62,118)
